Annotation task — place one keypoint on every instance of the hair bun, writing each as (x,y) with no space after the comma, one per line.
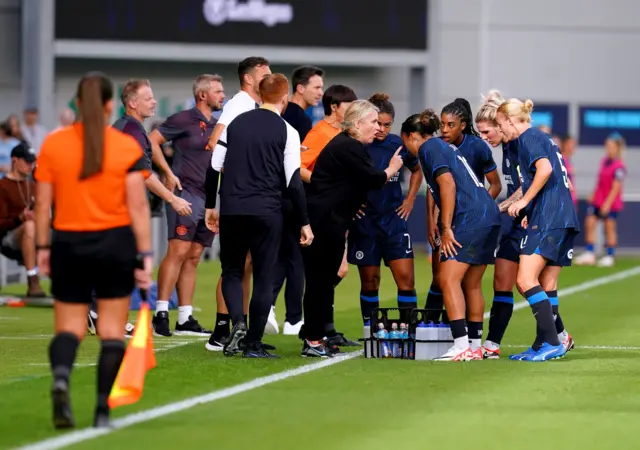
(527,106)
(379,97)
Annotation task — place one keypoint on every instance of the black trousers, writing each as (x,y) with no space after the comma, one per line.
(322,261)
(290,267)
(261,236)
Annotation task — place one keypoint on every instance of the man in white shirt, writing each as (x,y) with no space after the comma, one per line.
(250,72)
(31,130)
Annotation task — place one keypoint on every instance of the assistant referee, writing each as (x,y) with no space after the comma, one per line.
(94,175)
(264,157)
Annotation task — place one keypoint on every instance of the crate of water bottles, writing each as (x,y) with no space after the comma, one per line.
(405,333)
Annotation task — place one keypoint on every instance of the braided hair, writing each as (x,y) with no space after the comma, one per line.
(461,108)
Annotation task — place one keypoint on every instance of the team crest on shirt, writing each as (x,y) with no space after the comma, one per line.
(359,255)
(181,230)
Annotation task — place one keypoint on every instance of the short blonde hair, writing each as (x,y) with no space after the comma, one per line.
(515,108)
(355,113)
(490,104)
(203,83)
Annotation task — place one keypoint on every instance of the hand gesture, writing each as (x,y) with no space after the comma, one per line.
(144,276)
(396,162)
(212,220)
(434,236)
(405,209)
(518,206)
(306,236)
(449,243)
(181,206)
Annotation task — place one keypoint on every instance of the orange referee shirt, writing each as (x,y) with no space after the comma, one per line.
(316,140)
(99,202)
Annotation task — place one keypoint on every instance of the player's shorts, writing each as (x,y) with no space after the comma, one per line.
(100,262)
(11,247)
(593,210)
(372,240)
(509,245)
(478,246)
(556,246)
(190,228)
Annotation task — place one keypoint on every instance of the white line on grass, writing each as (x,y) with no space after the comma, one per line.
(583,287)
(86,434)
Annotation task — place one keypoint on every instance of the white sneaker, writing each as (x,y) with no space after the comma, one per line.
(586,259)
(292,330)
(272,323)
(457,354)
(606,261)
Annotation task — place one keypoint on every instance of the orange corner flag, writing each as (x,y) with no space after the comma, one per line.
(138,359)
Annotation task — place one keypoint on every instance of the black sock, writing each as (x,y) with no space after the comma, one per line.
(501,311)
(62,354)
(369,301)
(409,301)
(553,298)
(111,355)
(435,302)
(459,328)
(474,330)
(221,329)
(543,313)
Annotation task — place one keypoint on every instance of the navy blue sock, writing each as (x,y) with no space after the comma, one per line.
(369,301)
(611,251)
(543,313)
(435,302)
(500,315)
(553,299)
(408,300)
(590,248)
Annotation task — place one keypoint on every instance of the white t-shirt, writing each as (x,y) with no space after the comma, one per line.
(240,103)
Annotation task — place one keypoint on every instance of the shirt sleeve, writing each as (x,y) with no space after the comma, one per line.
(172,128)
(535,149)
(44,170)
(620,173)
(138,161)
(436,159)
(410,161)
(220,151)
(309,156)
(292,174)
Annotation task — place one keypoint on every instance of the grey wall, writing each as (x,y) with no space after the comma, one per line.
(575,51)
(10,29)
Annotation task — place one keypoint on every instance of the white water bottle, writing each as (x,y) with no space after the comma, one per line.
(422,348)
(432,335)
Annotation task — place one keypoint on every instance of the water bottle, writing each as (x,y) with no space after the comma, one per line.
(422,352)
(370,349)
(383,335)
(396,341)
(404,332)
(432,336)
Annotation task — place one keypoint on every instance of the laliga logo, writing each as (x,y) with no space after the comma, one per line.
(217,12)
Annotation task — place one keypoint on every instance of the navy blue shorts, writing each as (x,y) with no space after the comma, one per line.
(509,247)
(372,240)
(556,246)
(478,246)
(592,210)
(189,228)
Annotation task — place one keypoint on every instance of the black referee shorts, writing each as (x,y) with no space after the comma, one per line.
(100,262)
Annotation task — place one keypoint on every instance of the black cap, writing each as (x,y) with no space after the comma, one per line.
(24,151)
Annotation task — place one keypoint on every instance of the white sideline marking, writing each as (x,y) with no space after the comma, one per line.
(583,286)
(76,437)
(86,434)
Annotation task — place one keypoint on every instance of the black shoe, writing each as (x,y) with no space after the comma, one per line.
(269,347)
(315,349)
(62,415)
(257,350)
(216,343)
(338,339)
(160,324)
(101,419)
(191,328)
(236,338)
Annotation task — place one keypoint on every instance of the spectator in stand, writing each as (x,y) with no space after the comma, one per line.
(14,125)
(7,143)
(567,149)
(33,132)
(606,203)
(17,226)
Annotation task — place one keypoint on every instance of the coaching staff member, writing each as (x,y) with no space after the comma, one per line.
(91,172)
(265,152)
(342,176)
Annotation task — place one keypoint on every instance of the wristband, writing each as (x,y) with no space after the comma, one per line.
(43,247)
(147,254)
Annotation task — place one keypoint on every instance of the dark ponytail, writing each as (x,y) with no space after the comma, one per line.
(461,108)
(94,91)
(427,123)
